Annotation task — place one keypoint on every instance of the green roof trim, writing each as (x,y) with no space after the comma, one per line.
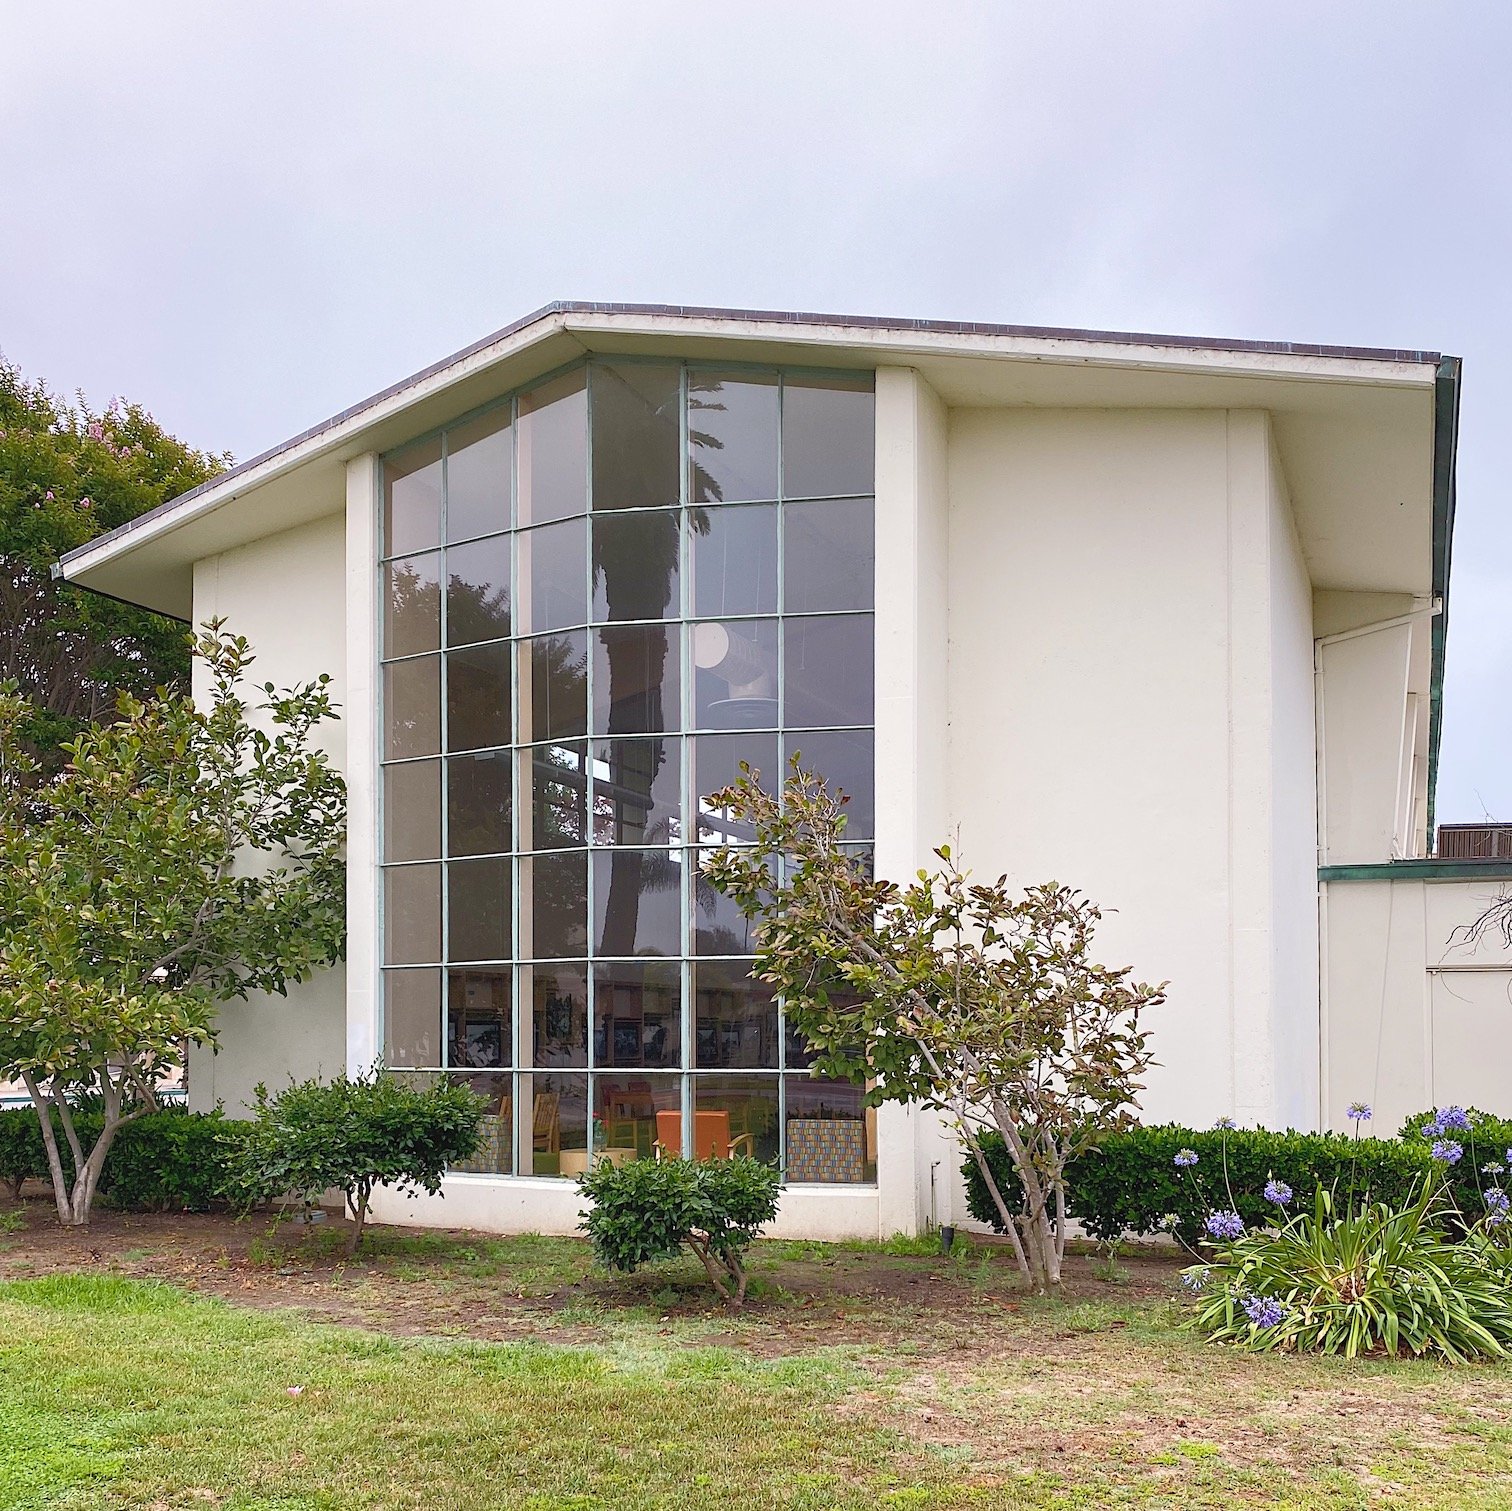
(1427,869)
(1446,403)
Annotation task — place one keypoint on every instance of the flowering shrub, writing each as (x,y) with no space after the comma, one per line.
(1483,1142)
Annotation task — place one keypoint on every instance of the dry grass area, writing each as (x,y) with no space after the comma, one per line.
(454,1369)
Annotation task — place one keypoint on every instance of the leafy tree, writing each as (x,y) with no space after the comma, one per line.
(184,856)
(67,474)
(958,995)
(356,1133)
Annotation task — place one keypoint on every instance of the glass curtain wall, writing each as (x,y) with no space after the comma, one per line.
(599,597)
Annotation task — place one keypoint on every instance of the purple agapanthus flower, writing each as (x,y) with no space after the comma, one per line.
(1449,1120)
(1278,1191)
(1224,1224)
(1185,1159)
(1358,1112)
(1196,1280)
(1446,1151)
(1497,1200)
(1264,1311)
(1225,1125)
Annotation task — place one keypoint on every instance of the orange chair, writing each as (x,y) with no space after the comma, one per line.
(711,1136)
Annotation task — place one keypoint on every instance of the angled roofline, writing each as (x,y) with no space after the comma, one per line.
(779,318)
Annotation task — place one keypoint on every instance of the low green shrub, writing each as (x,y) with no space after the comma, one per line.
(353,1134)
(652,1209)
(22,1156)
(1367,1277)
(1130,1183)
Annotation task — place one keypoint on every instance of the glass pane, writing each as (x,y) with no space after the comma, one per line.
(637,787)
(479,460)
(635,434)
(734,1115)
(554,1000)
(831,1133)
(478,909)
(719,927)
(634,1112)
(635,566)
(637,1009)
(827,556)
(477,591)
(412,708)
(829,671)
(478,804)
(554,907)
(553,450)
(554,686)
(412,811)
(478,1016)
(412,605)
(734,560)
(795,1049)
(554,575)
(844,759)
(477,697)
(735,1017)
(412,499)
(411,1018)
(558,789)
(637,902)
(716,764)
(732,437)
(411,914)
(827,436)
(495,1154)
(735,674)
(635,679)
(558,1125)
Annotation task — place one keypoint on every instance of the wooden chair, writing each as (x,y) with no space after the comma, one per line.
(711,1136)
(546,1127)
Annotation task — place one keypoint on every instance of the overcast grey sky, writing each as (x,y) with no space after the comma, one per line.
(247,217)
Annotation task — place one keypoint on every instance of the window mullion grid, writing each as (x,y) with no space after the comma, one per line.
(444,1058)
(590,533)
(687,796)
(512,511)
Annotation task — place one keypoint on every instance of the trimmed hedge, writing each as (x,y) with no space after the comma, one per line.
(1129,1183)
(166,1161)
(1488,1142)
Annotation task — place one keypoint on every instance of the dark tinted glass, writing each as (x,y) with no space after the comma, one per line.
(412,605)
(734,560)
(554,686)
(557,785)
(554,575)
(412,1018)
(411,914)
(831,1134)
(632,1108)
(479,457)
(735,1017)
(635,679)
(556,1007)
(827,436)
(636,791)
(412,708)
(734,1115)
(719,927)
(635,566)
(478,909)
(735,674)
(477,697)
(638,1013)
(716,764)
(829,671)
(827,556)
(412,811)
(554,906)
(478,1014)
(732,437)
(479,802)
(412,499)
(637,902)
(477,591)
(636,427)
(553,450)
(558,1124)
(844,759)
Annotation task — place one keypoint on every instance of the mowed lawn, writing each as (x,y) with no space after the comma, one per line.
(858,1378)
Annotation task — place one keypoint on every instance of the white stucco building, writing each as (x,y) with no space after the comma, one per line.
(1159,617)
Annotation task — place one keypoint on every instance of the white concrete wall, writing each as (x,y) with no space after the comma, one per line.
(286,594)
(1128,697)
(1417,1015)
